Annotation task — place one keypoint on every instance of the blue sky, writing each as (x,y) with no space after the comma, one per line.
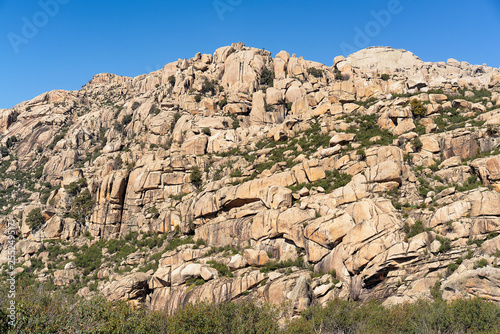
(76,39)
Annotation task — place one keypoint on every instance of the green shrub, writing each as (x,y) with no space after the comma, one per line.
(4,151)
(362,154)
(44,196)
(451,268)
(236,173)
(492,235)
(176,242)
(338,75)
(222,103)
(436,292)
(445,244)
(15,114)
(195,281)
(334,179)
(206,131)
(177,115)
(315,72)
(469,254)
(196,176)
(82,206)
(417,144)
(59,136)
(221,268)
(40,309)
(417,108)
(74,187)
(11,141)
(209,86)
(275,265)
(233,317)
(135,105)
(481,263)
(126,119)
(472,182)
(474,241)
(199,243)
(154,212)
(35,218)
(414,229)
(236,124)
(89,259)
(171,80)
(267,77)
(367,128)
(385,77)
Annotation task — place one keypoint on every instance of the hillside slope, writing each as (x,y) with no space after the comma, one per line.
(238,175)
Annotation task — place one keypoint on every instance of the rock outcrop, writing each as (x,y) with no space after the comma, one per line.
(239,175)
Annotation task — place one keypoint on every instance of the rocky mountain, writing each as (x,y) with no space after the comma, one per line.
(241,175)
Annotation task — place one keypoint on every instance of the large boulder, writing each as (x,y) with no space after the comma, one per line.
(133,286)
(256,257)
(383,59)
(482,283)
(386,171)
(195,145)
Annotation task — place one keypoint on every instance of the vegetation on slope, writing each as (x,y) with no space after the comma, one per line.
(43,311)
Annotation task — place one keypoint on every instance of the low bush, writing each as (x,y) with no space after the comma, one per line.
(176,242)
(445,244)
(235,124)
(267,77)
(451,268)
(196,176)
(35,219)
(417,108)
(367,129)
(221,268)
(222,103)
(135,105)
(75,187)
(275,265)
(89,259)
(82,206)
(472,182)
(315,72)
(236,173)
(209,86)
(40,309)
(171,80)
(417,144)
(177,115)
(481,263)
(414,229)
(338,75)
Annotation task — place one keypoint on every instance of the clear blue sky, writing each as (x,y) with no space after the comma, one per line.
(82,38)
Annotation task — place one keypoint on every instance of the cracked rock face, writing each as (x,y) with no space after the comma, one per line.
(239,175)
